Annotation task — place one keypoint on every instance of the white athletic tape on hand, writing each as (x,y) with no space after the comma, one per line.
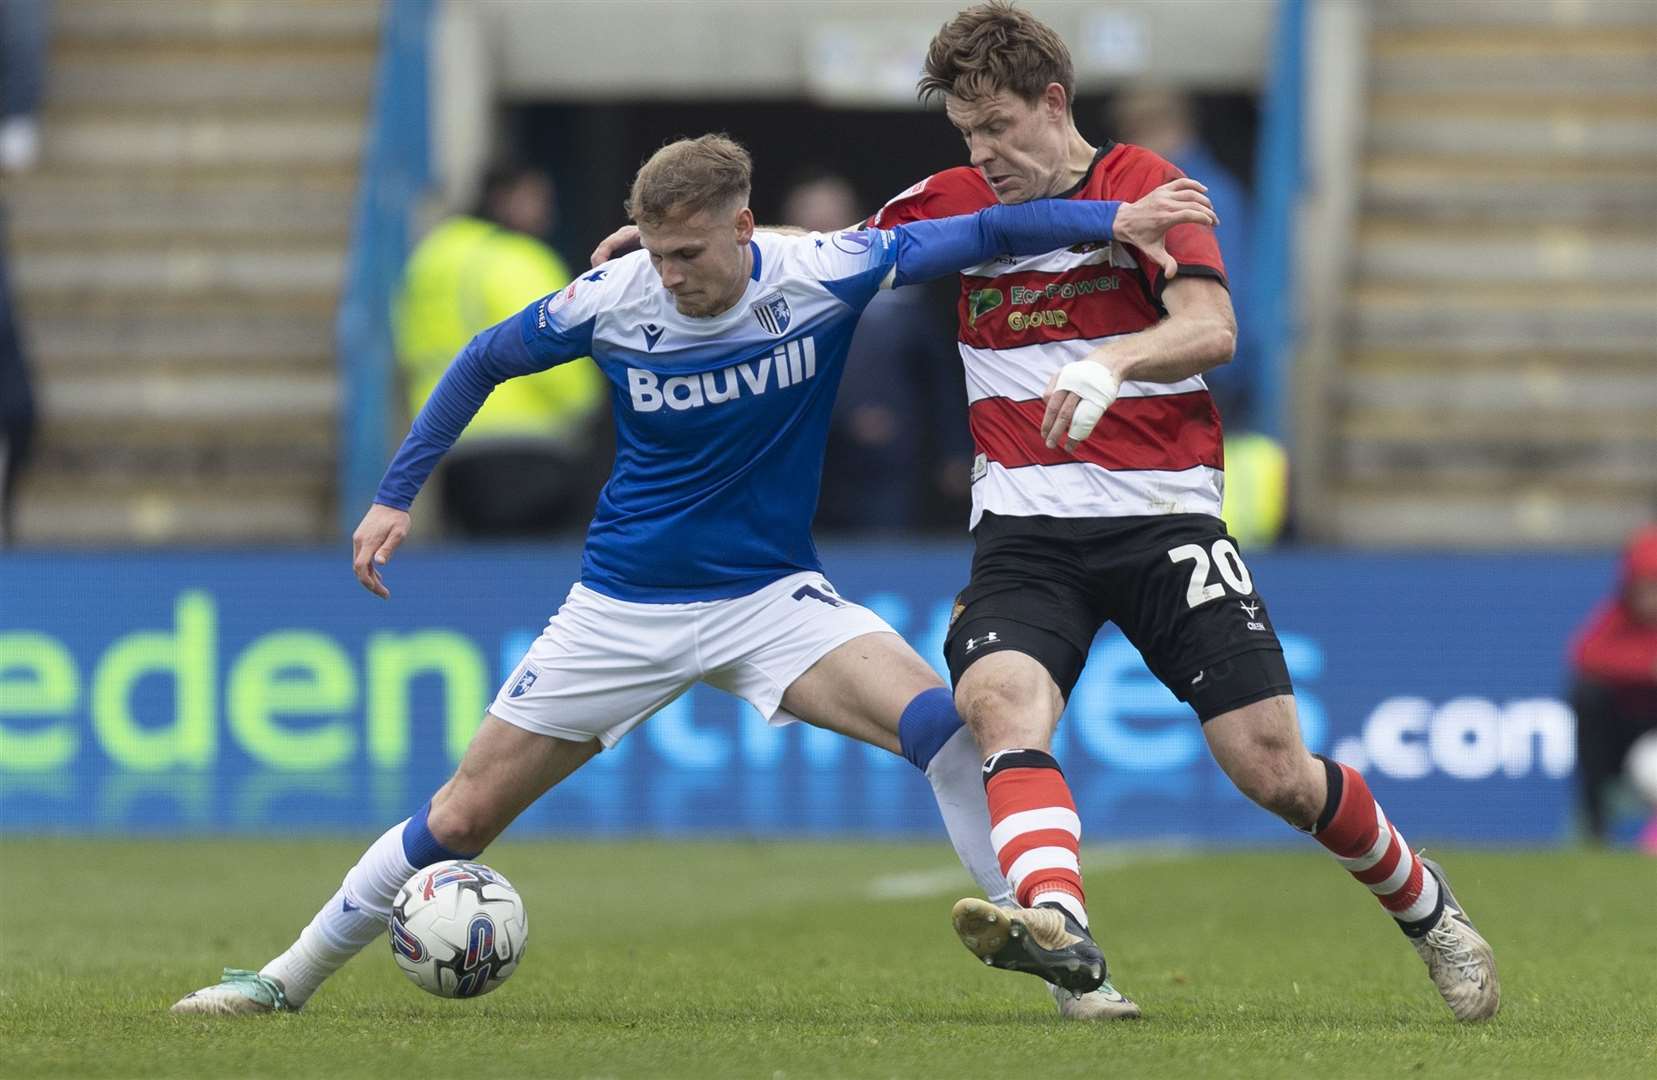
(1096,385)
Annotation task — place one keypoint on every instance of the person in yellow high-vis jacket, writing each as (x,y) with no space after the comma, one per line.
(525,465)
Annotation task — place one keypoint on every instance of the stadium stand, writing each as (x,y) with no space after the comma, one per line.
(1498,379)
(178,257)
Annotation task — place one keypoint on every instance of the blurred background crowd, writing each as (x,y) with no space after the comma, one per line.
(241,240)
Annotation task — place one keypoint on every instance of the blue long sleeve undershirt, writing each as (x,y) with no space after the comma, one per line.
(925,250)
(944,246)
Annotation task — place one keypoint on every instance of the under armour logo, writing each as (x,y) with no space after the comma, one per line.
(987,639)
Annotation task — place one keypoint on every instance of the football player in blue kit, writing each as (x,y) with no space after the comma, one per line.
(723,349)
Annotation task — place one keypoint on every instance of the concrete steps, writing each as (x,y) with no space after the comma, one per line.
(1500,378)
(73,339)
(178,259)
(243,23)
(1424,190)
(80,142)
(248,206)
(106,77)
(166,269)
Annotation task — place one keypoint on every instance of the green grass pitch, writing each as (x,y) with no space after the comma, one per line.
(792,960)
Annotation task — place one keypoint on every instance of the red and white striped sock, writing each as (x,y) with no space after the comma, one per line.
(1034,830)
(1359,835)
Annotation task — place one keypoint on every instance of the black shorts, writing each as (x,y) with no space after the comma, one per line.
(1174,584)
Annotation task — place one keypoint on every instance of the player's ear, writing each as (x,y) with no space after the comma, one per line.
(744,225)
(1055,102)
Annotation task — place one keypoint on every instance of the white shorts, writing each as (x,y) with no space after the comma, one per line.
(603,665)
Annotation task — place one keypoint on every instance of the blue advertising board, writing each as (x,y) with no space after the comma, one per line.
(241,692)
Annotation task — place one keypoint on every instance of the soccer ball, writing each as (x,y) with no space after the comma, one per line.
(1641,766)
(458,929)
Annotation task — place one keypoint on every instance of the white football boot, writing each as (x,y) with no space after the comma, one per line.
(1105,1003)
(238,993)
(1048,943)
(1459,960)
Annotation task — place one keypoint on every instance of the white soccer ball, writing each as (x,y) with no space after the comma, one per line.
(458,929)
(1641,766)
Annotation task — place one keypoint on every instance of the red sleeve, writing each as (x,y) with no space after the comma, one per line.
(945,194)
(1194,247)
(1616,648)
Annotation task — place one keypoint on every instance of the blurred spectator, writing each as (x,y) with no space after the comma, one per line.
(1257,468)
(22,79)
(884,469)
(1614,661)
(527,465)
(17,407)
(1162,121)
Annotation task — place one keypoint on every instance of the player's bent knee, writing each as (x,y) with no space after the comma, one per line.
(1005,705)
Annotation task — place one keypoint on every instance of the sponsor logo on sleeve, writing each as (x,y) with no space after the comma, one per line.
(854,243)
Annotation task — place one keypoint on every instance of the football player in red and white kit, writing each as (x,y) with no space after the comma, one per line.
(1095,498)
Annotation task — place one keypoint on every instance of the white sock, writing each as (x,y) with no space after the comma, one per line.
(957,778)
(1066,900)
(351,919)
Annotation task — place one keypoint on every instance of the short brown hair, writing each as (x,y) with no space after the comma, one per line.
(994,47)
(706,173)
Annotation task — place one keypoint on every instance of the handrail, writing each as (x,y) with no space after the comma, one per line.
(1279,176)
(396,170)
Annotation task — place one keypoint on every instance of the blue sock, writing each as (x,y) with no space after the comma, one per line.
(421,848)
(939,744)
(927,723)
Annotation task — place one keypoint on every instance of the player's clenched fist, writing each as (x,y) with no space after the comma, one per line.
(1145,222)
(381,530)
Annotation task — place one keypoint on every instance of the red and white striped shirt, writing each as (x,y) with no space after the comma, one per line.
(1158,448)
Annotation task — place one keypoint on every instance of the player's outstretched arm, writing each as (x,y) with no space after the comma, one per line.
(382,529)
(535,339)
(943,246)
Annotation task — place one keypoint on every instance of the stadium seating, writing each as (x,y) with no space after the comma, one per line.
(178,258)
(1499,382)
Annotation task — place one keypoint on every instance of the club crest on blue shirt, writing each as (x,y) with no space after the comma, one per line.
(773,313)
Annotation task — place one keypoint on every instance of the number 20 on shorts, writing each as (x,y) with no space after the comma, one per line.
(1226,559)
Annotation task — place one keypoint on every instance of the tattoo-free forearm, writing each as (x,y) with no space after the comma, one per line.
(1180,346)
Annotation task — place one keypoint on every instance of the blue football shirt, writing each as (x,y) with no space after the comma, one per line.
(721,422)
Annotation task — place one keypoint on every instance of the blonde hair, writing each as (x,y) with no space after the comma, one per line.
(994,47)
(710,172)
